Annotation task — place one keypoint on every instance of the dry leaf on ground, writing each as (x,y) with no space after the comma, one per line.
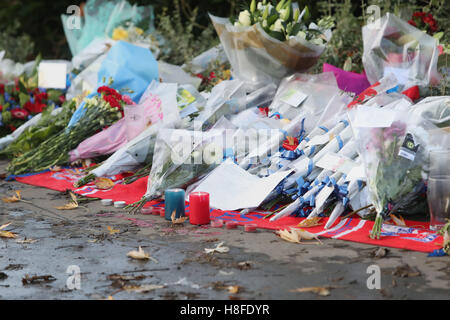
(296,235)
(26,241)
(73,204)
(104,183)
(112,231)
(177,220)
(140,255)
(321,291)
(55,168)
(219,248)
(310,222)
(142,289)
(14,198)
(233,289)
(6,234)
(399,221)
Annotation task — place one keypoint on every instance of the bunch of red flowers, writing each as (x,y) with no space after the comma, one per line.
(424,21)
(111,96)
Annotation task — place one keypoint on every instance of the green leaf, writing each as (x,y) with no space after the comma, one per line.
(23,98)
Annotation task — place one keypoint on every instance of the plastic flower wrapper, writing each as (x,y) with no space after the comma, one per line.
(395,148)
(183,156)
(434,109)
(100,18)
(161,99)
(266,43)
(304,93)
(392,45)
(101,110)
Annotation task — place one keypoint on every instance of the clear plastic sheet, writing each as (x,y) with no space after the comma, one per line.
(435,109)
(257,58)
(100,19)
(392,45)
(311,92)
(395,150)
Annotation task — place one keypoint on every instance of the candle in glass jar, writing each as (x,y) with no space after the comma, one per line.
(199,208)
(174,201)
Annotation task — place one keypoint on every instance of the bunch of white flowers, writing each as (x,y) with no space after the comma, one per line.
(283,21)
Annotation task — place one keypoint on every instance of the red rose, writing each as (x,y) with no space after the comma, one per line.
(419,14)
(62,98)
(36,107)
(1,108)
(2,88)
(19,113)
(411,22)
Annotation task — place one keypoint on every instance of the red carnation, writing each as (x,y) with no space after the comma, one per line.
(112,101)
(2,88)
(19,113)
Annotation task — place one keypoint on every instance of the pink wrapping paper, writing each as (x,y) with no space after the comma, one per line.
(105,142)
(137,118)
(348,81)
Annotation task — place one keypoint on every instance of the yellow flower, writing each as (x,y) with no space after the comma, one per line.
(139,31)
(120,34)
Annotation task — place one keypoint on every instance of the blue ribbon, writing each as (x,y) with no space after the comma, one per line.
(341,143)
(324,128)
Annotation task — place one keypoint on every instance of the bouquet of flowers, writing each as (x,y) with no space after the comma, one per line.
(395,150)
(267,42)
(392,45)
(100,110)
(39,129)
(22,99)
(181,157)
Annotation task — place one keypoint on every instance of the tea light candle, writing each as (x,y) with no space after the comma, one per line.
(231,225)
(174,201)
(217,224)
(199,208)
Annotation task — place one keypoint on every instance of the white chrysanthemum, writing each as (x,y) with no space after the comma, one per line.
(244,18)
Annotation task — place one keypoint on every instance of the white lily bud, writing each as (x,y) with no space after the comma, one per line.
(301,34)
(244,18)
(277,26)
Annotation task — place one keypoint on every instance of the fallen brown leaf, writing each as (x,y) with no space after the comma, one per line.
(104,183)
(37,279)
(55,168)
(73,204)
(310,222)
(321,291)
(177,220)
(140,255)
(26,241)
(14,198)
(112,231)
(233,289)
(296,235)
(6,234)
(399,221)
(142,289)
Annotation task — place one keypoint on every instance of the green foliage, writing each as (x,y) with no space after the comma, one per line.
(180,43)
(18,46)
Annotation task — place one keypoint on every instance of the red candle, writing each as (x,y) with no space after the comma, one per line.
(199,208)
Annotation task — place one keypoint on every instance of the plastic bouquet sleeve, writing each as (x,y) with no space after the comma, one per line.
(395,150)
(392,45)
(257,58)
(99,20)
